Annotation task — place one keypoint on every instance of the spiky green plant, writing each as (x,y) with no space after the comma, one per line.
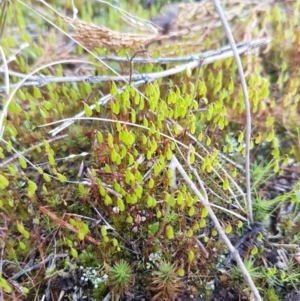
(165,282)
(271,295)
(255,272)
(120,278)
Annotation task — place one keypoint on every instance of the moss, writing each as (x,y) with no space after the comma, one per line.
(105,191)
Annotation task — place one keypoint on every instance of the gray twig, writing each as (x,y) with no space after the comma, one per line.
(174,164)
(36,266)
(247,110)
(206,58)
(149,77)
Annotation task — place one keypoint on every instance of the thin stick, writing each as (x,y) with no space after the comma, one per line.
(149,77)
(36,266)
(206,58)
(5,67)
(17,155)
(247,105)
(174,164)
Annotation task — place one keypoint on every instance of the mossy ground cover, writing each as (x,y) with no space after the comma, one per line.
(96,211)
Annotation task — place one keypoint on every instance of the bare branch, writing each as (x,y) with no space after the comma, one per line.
(247,105)
(207,57)
(174,164)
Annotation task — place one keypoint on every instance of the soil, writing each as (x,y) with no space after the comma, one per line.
(293,296)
